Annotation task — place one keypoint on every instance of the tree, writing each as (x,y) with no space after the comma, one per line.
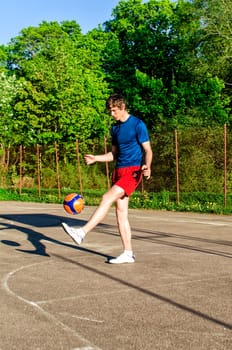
(10,87)
(153,59)
(65,94)
(216,44)
(215,50)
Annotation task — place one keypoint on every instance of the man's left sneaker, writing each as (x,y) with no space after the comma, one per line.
(122,259)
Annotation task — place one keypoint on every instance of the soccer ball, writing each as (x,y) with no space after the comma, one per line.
(73,203)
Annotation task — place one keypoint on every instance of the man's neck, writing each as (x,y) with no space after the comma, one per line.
(124,117)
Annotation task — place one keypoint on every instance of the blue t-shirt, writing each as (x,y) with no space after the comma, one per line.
(128,137)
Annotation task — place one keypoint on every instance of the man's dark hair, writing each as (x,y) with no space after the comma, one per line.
(115,100)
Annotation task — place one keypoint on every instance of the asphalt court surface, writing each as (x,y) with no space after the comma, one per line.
(58,296)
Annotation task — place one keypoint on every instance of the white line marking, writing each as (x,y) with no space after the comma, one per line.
(205,222)
(156,217)
(80,296)
(4,284)
(81,317)
(192,332)
(129,290)
(85,348)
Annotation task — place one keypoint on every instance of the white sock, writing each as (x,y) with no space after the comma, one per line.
(128,252)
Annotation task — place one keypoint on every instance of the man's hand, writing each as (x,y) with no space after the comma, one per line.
(89,159)
(146,171)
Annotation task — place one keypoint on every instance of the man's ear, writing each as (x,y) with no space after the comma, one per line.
(123,106)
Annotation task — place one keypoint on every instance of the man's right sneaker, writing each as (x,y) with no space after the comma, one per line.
(77,234)
(122,259)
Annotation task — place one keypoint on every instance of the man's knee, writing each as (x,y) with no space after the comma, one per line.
(107,198)
(111,197)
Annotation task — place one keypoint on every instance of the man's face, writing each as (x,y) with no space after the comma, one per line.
(117,113)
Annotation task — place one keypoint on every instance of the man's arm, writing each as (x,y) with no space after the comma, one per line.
(146,167)
(107,157)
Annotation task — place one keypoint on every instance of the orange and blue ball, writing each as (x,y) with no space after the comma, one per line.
(73,203)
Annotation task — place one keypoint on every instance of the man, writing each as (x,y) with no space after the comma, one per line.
(131,150)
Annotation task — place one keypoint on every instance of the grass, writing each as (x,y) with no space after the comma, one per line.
(200,202)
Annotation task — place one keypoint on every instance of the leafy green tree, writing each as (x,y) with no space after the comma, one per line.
(10,87)
(152,58)
(65,94)
(215,49)
(3,58)
(216,39)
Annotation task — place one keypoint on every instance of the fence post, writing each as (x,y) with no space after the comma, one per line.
(20,169)
(107,165)
(57,169)
(225,164)
(3,175)
(39,169)
(79,166)
(177,168)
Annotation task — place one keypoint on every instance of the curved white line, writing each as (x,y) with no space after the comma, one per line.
(4,284)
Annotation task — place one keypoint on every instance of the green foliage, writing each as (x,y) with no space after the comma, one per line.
(172,61)
(200,202)
(158,53)
(200,164)
(65,94)
(89,177)
(10,88)
(200,158)
(157,65)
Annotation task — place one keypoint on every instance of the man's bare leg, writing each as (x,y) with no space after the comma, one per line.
(78,234)
(125,231)
(123,222)
(107,200)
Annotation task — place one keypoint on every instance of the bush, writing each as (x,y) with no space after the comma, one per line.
(190,202)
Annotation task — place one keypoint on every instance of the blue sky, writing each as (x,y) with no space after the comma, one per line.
(18,14)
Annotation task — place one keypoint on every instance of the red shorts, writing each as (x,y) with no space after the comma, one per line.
(127,178)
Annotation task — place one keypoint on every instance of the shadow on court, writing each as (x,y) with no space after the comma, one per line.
(35,237)
(56,295)
(47,220)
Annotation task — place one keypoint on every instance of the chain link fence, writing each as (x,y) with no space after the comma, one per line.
(185,161)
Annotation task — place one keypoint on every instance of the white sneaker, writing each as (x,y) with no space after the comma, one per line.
(122,259)
(77,234)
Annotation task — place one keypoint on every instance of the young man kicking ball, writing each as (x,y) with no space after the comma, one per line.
(132,153)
